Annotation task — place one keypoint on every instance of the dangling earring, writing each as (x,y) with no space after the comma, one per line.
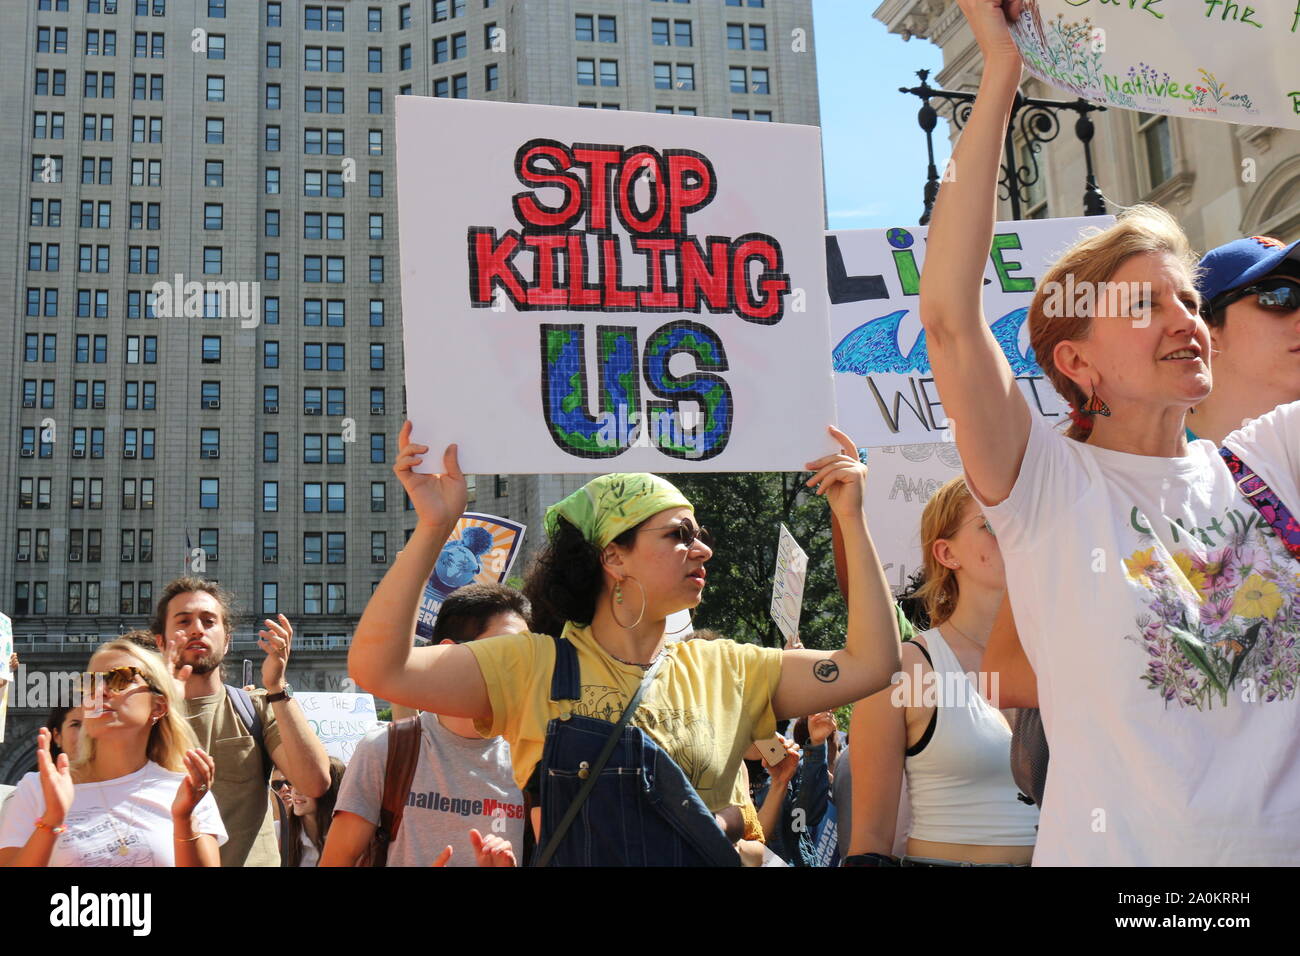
(1095,406)
(618,599)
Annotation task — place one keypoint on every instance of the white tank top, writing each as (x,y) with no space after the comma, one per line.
(960,783)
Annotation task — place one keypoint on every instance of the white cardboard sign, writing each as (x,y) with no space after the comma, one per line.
(883,383)
(1225,60)
(591,290)
(787,583)
(339,720)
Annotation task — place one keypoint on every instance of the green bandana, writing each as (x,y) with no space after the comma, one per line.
(607,506)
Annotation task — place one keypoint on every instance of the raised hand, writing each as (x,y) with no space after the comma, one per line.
(820,727)
(276,639)
(990,21)
(841,477)
(438,499)
(173,644)
(199,771)
(492,850)
(56,781)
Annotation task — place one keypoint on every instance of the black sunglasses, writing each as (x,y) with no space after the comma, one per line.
(1277,295)
(687,533)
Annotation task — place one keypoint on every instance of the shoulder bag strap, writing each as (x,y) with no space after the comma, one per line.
(242,701)
(399,771)
(594,773)
(1258,493)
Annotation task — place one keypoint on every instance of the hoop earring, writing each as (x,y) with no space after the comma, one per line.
(690,623)
(1095,406)
(616,597)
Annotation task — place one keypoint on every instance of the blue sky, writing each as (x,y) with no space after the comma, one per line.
(875,159)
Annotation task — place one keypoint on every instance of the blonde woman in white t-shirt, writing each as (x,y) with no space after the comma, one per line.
(1155,601)
(934,726)
(137,792)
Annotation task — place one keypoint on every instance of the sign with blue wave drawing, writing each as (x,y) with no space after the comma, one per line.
(603,290)
(339,720)
(884,387)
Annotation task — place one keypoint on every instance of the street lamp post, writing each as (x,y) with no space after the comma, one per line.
(1037,122)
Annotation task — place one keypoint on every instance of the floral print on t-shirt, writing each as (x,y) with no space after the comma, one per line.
(1223,620)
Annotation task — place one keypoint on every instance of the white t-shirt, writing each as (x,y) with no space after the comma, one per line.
(1161,615)
(126,821)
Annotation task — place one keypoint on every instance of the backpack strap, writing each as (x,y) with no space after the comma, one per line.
(1254,489)
(399,771)
(252,720)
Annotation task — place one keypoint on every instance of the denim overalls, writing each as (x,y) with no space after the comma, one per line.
(643,812)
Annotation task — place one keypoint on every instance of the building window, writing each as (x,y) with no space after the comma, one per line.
(209,493)
(270,496)
(1157,144)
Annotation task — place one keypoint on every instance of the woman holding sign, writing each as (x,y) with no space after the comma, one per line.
(624,553)
(1156,604)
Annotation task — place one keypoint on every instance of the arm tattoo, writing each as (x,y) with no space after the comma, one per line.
(826,671)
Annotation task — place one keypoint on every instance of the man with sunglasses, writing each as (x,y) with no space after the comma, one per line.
(1251,291)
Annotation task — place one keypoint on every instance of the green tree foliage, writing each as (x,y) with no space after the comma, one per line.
(744,512)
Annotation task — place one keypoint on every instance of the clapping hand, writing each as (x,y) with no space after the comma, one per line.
(56,781)
(199,771)
(276,638)
(173,644)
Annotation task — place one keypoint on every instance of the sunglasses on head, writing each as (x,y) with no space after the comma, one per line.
(1276,295)
(687,533)
(114,681)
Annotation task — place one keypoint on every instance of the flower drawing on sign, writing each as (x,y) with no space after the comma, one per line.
(1220,621)
(1062,50)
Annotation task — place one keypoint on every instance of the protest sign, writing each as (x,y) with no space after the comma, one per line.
(481,550)
(339,720)
(883,384)
(1216,59)
(903,478)
(787,583)
(592,290)
(6,674)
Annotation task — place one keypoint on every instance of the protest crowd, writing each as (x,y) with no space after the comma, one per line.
(562,724)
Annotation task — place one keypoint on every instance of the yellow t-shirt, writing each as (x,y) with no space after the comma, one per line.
(710,701)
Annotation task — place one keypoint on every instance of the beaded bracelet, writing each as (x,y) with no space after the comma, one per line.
(42,825)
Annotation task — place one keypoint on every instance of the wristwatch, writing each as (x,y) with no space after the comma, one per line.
(285,694)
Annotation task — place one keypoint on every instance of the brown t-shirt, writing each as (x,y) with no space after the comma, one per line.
(240,787)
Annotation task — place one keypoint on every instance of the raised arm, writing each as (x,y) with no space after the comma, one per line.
(446,678)
(813,681)
(877,741)
(1017,684)
(976,384)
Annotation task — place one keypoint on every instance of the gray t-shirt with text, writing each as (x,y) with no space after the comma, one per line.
(459,784)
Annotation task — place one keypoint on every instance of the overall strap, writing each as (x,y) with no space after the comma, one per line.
(593,774)
(566,679)
(1258,493)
